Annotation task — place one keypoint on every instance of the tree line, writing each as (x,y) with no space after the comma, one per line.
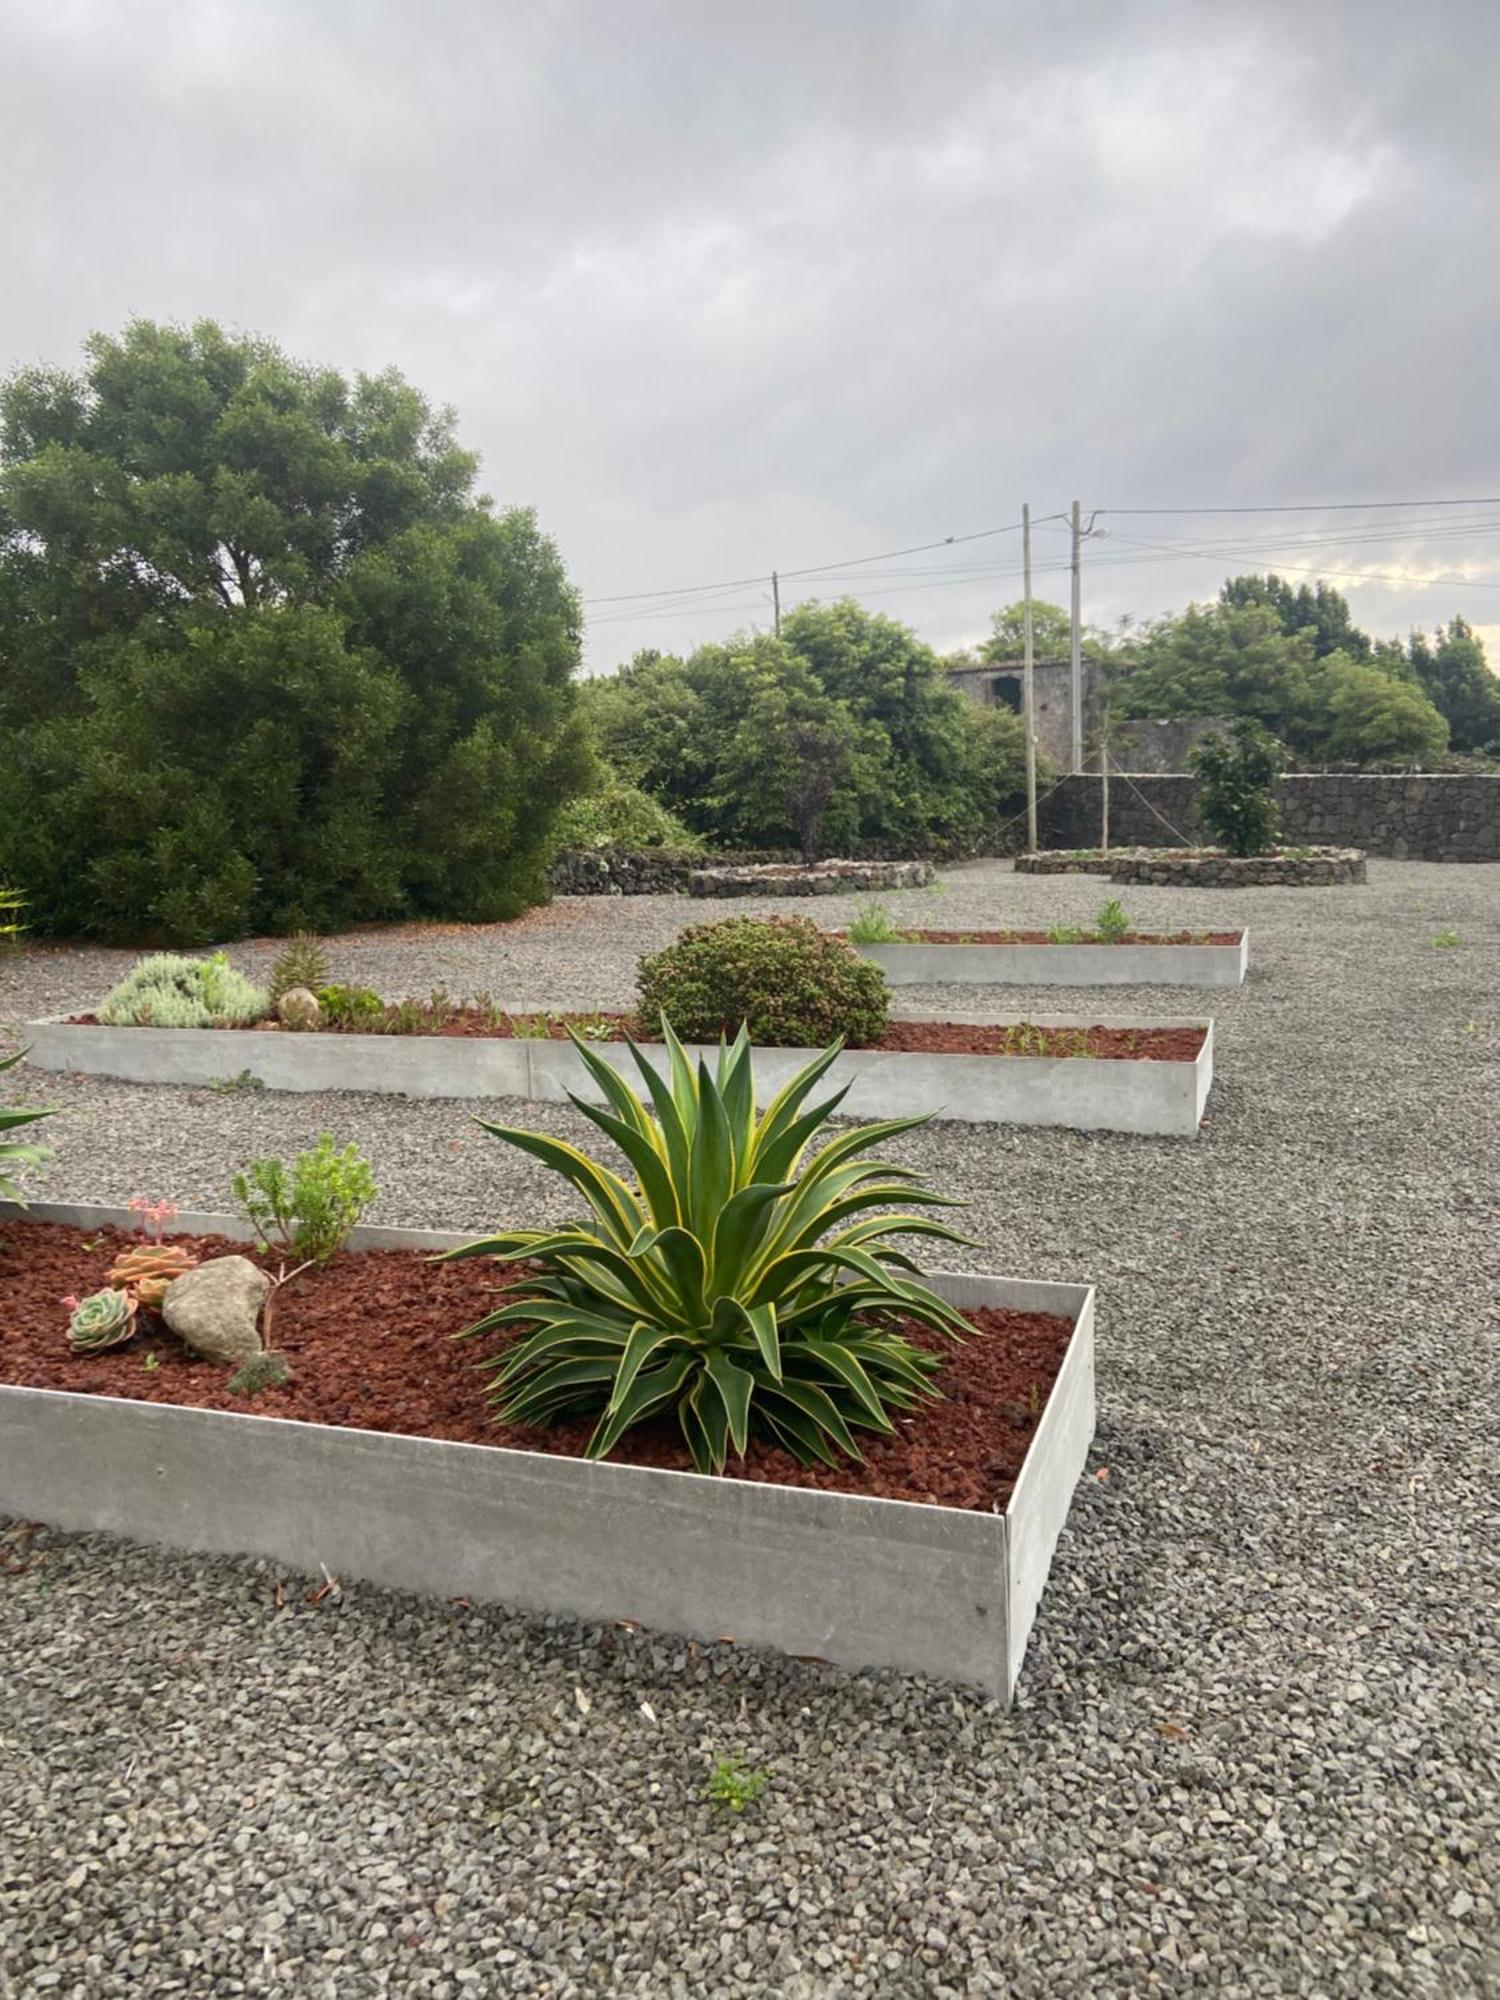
(269,660)
(1291,658)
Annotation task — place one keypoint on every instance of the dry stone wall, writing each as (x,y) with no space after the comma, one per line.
(1426,817)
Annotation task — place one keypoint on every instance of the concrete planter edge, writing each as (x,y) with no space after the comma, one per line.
(858,1582)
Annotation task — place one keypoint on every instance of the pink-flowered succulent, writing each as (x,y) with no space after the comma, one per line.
(154,1215)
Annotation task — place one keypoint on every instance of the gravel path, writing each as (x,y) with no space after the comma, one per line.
(1256,1747)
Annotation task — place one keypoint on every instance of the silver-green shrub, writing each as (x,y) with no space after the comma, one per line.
(169,991)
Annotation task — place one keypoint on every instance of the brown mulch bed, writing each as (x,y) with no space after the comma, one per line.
(370,1343)
(951,1038)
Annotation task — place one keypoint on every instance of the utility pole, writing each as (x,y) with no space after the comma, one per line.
(776,600)
(1028,691)
(1075,646)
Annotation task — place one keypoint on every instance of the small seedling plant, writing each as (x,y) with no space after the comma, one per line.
(733,1785)
(309,1212)
(1112,925)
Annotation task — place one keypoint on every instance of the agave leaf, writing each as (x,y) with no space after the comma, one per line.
(736,1086)
(735,1386)
(645,1340)
(686,1267)
(840,1363)
(604,1191)
(738,1232)
(816,1403)
(797,1432)
(711,1174)
(641,1150)
(549,1391)
(684,1083)
(651,1391)
(780,1113)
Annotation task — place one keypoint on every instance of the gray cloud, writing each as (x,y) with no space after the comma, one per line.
(721,288)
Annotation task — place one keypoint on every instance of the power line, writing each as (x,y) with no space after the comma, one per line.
(813,569)
(1309,507)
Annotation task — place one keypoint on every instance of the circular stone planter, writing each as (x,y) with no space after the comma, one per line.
(827,878)
(1207,867)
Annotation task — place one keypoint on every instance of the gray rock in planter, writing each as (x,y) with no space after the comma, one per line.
(215,1310)
(298,1008)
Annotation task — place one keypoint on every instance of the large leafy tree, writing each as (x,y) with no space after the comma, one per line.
(1452,668)
(842,731)
(1222,659)
(1366,716)
(1239,658)
(266,658)
(1318,609)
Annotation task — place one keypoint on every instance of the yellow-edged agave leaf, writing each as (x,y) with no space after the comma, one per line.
(736,1284)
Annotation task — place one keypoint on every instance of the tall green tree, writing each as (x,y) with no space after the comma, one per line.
(843,731)
(1318,609)
(1051,633)
(1366,716)
(1453,669)
(266,657)
(1222,659)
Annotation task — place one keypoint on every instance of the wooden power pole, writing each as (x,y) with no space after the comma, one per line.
(776,600)
(1028,689)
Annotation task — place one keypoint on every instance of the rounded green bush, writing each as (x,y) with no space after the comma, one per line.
(789,983)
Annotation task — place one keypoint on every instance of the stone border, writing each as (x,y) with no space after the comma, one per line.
(1165,1098)
(860,1582)
(827,878)
(918,964)
(1167,868)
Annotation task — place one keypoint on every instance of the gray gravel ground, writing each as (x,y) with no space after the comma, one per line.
(1256,1746)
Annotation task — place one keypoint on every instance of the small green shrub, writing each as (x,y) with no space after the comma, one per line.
(302,962)
(872,925)
(1111,924)
(622,816)
(309,1212)
(738,1284)
(349,1006)
(1067,934)
(17,1152)
(168,991)
(1235,775)
(789,983)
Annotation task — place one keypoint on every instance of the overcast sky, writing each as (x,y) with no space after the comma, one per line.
(721,288)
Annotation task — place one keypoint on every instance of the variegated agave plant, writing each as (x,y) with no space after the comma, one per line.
(17,1152)
(736,1281)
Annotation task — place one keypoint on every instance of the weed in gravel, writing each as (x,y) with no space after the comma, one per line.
(245,1080)
(734,1785)
(872,925)
(1447,940)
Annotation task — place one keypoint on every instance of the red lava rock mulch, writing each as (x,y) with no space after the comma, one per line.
(369,1342)
(949,1038)
(1042,937)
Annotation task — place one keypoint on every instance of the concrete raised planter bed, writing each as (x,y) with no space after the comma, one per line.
(921,964)
(1078,1091)
(863,1583)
